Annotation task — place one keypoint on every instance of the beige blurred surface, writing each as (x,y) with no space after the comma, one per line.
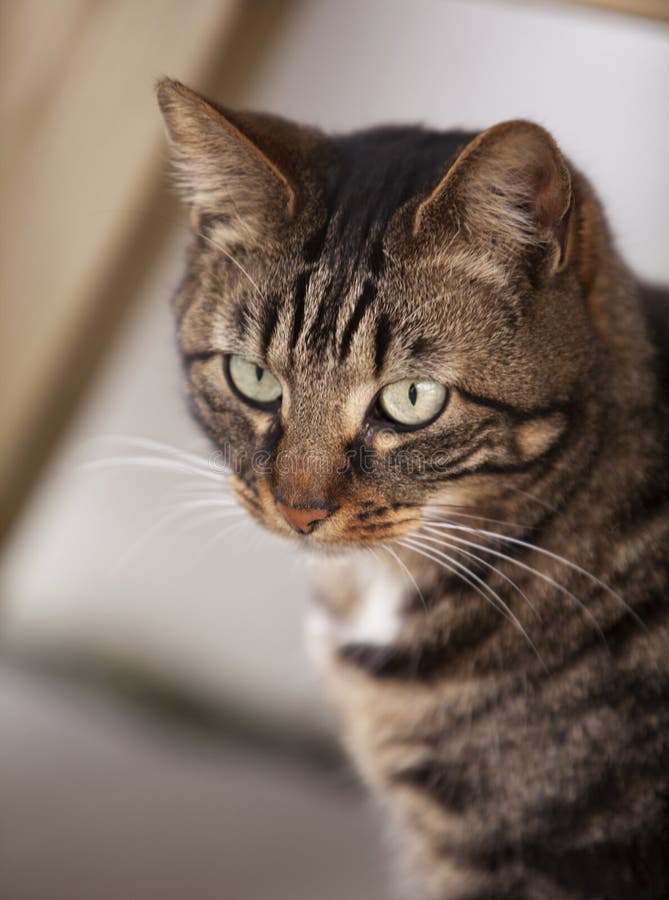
(82,162)
(99,803)
(654,9)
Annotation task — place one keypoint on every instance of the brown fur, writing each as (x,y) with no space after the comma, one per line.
(515,722)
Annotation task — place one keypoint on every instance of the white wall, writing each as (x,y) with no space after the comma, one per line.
(230,623)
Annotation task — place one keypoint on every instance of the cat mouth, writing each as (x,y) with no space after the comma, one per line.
(329,526)
(343,538)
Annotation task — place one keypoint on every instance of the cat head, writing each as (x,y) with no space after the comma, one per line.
(377,323)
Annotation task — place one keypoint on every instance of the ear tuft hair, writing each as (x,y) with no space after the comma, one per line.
(510,187)
(220,165)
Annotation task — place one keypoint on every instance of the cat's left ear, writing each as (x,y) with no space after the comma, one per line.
(509,191)
(247,165)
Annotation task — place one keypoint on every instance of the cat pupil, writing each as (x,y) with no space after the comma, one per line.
(259,373)
(413,393)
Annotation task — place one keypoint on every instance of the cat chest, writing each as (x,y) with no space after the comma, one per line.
(363,606)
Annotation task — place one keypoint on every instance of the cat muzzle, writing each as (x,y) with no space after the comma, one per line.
(303,519)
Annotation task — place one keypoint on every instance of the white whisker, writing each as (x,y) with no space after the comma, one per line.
(206,517)
(212,541)
(234,261)
(156,463)
(527,568)
(407,570)
(497,602)
(483,562)
(453,511)
(547,553)
(170,516)
(529,496)
(161,447)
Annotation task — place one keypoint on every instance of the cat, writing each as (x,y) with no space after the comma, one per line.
(428,364)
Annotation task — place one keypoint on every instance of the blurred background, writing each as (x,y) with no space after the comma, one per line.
(162,733)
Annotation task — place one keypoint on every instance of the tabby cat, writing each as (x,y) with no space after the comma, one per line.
(426,362)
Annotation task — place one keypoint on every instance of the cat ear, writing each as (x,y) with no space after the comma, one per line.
(509,190)
(231,162)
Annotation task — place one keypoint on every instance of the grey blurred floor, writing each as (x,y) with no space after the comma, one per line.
(98,801)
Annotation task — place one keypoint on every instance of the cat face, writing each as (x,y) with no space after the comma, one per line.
(378,324)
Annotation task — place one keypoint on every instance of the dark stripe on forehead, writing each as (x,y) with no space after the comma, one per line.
(378,170)
(269,320)
(327,314)
(324,326)
(312,251)
(298,314)
(242,318)
(419,346)
(381,342)
(313,246)
(377,257)
(364,301)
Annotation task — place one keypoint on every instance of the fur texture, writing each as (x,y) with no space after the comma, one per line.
(511,705)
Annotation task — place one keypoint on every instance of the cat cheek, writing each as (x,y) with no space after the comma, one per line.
(535,438)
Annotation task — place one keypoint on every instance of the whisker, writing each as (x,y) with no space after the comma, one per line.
(485,563)
(165,449)
(442,563)
(233,260)
(454,511)
(497,603)
(371,550)
(170,516)
(547,578)
(397,558)
(203,502)
(549,554)
(530,496)
(195,489)
(204,549)
(212,515)
(151,462)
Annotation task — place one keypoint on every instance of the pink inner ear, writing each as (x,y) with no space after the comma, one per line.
(510,186)
(551,201)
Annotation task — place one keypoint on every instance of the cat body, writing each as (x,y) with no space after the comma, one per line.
(513,785)
(421,350)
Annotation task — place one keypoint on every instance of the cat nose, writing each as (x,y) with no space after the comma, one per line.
(303,518)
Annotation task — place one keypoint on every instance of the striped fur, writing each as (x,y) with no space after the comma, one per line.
(502,675)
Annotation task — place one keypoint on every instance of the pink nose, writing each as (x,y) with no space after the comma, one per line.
(302,518)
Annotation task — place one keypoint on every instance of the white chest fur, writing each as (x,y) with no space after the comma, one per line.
(371,613)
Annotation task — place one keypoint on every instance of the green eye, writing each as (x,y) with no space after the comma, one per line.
(412,402)
(253,382)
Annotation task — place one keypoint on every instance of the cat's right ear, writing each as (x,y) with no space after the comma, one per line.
(231,163)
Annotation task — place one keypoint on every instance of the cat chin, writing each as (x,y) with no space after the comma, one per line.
(321,549)
(315,553)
